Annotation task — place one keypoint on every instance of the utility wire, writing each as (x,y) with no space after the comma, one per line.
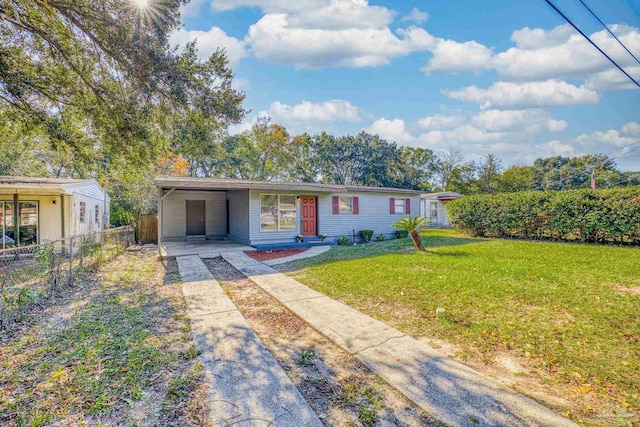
(591,41)
(610,32)
(634,7)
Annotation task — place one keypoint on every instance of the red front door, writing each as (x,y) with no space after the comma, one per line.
(309,218)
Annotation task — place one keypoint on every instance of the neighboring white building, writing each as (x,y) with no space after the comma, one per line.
(433,206)
(49,209)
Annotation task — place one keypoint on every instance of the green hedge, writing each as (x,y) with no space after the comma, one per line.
(586,215)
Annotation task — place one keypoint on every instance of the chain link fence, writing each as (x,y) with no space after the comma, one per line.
(29,275)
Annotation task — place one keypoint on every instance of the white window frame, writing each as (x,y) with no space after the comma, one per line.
(96,214)
(278,230)
(350,211)
(403,207)
(82,212)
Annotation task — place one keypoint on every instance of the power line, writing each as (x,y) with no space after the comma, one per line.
(628,151)
(607,28)
(590,41)
(634,7)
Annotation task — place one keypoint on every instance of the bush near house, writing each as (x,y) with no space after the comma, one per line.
(590,216)
(366,235)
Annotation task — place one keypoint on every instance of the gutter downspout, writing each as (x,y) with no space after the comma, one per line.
(16,219)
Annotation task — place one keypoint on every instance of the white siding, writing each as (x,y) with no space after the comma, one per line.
(174,213)
(239,215)
(374,214)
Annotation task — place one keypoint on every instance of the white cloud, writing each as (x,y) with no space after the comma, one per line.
(335,110)
(517,120)
(631,129)
(240,84)
(273,39)
(451,57)
(392,130)
(462,135)
(416,15)
(208,41)
(554,148)
(525,95)
(440,121)
(563,53)
(613,79)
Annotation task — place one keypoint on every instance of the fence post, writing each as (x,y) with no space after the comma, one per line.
(102,246)
(70,260)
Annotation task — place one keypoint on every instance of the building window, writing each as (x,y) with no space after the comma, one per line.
(345,204)
(96,214)
(28,223)
(277,212)
(400,206)
(27,233)
(83,212)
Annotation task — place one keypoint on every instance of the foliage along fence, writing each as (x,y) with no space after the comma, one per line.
(30,275)
(589,216)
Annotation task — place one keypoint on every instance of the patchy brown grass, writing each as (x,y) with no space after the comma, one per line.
(336,385)
(115,349)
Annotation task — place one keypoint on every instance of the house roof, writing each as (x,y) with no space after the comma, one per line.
(444,195)
(50,186)
(191,183)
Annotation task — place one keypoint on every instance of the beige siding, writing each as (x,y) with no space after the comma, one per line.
(49,227)
(174,213)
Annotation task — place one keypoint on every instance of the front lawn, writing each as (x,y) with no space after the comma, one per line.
(568,313)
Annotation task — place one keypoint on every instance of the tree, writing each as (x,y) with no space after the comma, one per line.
(489,173)
(446,166)
(518,178)
(412,226)
(418,167)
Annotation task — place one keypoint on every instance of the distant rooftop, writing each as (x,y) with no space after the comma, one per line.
(6,179)
(443,195)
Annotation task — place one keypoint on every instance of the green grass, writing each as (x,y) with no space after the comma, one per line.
(563,306)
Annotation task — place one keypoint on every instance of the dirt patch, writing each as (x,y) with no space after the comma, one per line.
(626,290)
(274,254)
(340,389)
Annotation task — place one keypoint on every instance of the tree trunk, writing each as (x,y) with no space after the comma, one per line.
(415,236)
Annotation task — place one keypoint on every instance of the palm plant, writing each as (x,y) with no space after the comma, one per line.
(412,226)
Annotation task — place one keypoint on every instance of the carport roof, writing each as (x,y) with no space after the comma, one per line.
(221,184)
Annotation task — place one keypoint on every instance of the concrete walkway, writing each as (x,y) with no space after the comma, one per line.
(309,253)
(248,387)
(446,389)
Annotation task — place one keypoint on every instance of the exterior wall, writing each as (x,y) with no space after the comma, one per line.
(90,225)
(174,214)
(239,215)
(373,215)
(49,227)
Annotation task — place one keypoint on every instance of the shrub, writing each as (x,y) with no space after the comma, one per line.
(402,234)
(366,235)
(590,216)
(381,238)
(343,241)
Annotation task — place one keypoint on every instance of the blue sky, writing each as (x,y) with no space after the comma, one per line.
(503,77)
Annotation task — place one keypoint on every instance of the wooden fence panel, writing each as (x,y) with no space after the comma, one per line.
(149,228)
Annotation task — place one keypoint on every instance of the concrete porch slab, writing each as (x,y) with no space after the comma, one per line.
(205,248)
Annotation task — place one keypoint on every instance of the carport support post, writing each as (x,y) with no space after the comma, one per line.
(62,230)
(16,220)
(160,195)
